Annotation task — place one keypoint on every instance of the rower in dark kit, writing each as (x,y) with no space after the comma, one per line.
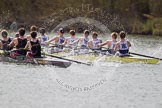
(32,28)
(34,46)
(16,35)
(5,41)
(123,45)
(19,44)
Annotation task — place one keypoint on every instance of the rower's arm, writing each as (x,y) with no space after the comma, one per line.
(129,44)
(0,44)
(81,40)
(28,45)
(50,40)
(102,44)
(28,37)
(65,42)
(13,42)
(116,47)
(90,45)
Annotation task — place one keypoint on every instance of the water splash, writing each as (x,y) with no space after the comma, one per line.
(88,21)
(85,17)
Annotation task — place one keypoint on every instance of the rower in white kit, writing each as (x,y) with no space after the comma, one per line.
(94,43)
(110,44)
(123,45)
(57,41)
(43,37)
(70,42)
(83,43)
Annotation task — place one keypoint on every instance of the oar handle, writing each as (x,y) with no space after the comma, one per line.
(60,45)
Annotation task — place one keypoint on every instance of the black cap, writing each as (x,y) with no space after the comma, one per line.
(42,30)
(61,30)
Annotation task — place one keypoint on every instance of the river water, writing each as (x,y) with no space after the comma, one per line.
(104,85)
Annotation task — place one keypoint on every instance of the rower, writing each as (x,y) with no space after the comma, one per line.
(34,46)
(93,44)
(58,41)
(83,41)
(110,44)
(19,43)
(16,35)
(43,37)
(32,28)
(70,41)
(123,45)
(5,40)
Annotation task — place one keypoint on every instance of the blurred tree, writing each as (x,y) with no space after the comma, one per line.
(156,7)
(130,11)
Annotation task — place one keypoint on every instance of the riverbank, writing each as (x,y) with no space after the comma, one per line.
(149,27)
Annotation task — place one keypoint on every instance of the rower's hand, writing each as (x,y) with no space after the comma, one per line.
(99,45)
(9,46)
(46,43)
(25,49)
(61,45)
(70,43)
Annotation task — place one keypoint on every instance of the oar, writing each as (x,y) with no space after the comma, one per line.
(55,45)
(68,59)
(145,55)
